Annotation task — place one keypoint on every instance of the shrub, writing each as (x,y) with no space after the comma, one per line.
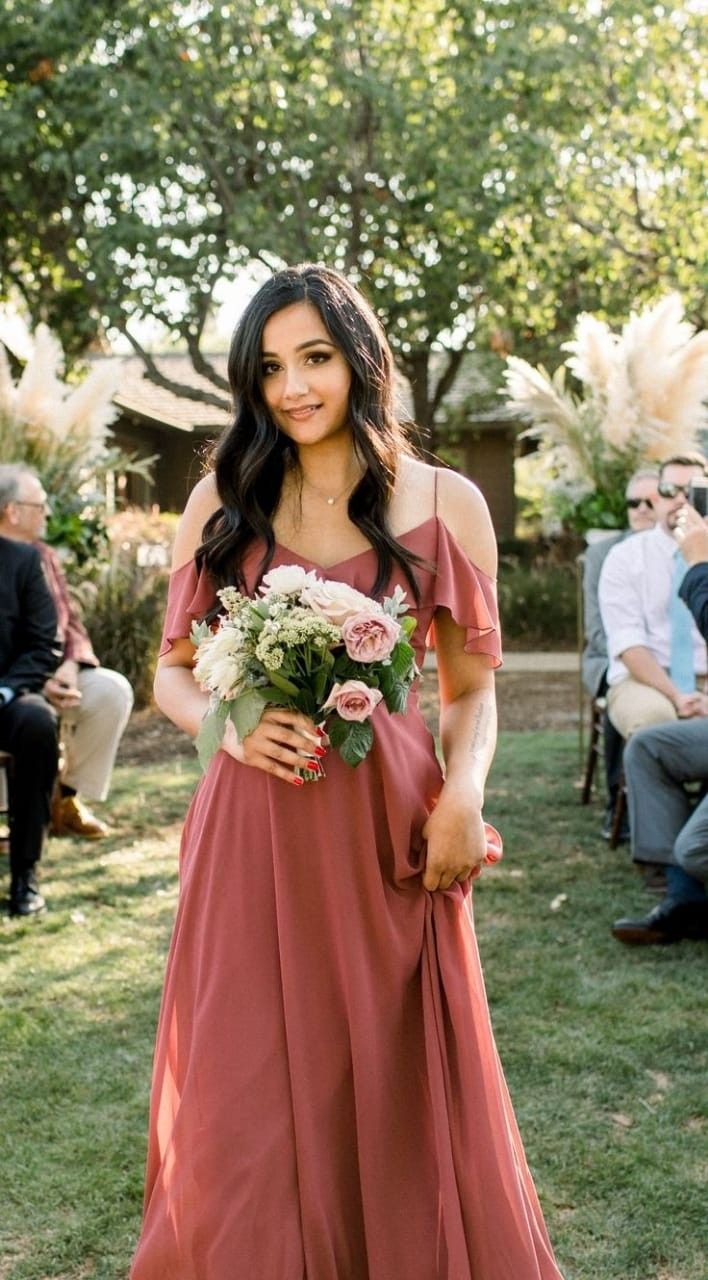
(123,601)
(123,613)
(538,605)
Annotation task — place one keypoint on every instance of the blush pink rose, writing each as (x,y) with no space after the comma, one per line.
(370,637)
(353,700)
(335,601)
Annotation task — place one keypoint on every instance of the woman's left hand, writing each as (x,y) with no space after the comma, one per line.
(456,841)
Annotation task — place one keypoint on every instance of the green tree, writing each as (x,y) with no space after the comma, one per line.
(485,170)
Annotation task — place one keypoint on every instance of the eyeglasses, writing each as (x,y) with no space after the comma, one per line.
(634,503)
(667,490)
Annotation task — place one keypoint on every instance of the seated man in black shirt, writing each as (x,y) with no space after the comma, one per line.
(29,652)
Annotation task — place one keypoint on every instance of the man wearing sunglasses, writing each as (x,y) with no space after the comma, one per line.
(657,655)
(669,820)
(640,503)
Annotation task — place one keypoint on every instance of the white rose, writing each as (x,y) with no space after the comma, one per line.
(287,580)
(219,663)
(336,601)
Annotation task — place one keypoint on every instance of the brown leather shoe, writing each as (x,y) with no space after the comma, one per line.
(71,817)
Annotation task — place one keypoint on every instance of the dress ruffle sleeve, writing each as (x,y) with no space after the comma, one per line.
(190,595)
(470,595)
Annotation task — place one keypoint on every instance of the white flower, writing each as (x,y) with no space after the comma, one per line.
(219,663)
(287,580)
(232,600)
(336,601)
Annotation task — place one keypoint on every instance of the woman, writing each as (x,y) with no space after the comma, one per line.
(327,1101)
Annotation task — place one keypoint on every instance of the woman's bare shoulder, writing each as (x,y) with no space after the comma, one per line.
(464,512)
(203,501)
(414,499)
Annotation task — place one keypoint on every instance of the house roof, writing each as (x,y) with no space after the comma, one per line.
(145,399)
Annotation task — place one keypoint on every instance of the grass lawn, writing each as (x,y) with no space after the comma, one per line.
(604,1046)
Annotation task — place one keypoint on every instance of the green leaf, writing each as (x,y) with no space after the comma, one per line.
(246,712)
(396,697)
(354,739)
(320,685)
(281,683)
(277,697)
(345,669)
(337,730)
(211,733)
(307,703)
(200,631)
(402,658)
(257,622)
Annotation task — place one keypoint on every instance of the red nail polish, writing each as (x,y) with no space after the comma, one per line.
(314,765)
(320,751)
(321,731)
(298,782)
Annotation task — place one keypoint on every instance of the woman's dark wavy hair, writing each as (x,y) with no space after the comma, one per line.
(252,456)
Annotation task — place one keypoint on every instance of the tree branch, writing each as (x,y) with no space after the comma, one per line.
(203,366)
(595,229)
(640,219)
(154,374)
(193,332)
(447,378)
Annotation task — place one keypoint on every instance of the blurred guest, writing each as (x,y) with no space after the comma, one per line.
(640,502)
(93,702)
(669,825)
(29,651)
(656,652)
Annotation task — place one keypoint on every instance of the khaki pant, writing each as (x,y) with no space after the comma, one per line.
(92,731)
(632,705)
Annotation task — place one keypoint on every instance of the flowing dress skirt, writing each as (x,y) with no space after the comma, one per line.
(327,1099)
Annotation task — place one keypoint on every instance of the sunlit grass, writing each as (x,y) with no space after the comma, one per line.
(603,1046)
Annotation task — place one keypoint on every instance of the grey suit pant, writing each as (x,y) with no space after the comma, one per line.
(667,826)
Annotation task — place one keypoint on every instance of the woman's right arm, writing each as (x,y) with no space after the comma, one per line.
(284,740)
(176,692)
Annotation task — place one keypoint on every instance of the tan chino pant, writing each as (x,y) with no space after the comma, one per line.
(632,705)
(92,731)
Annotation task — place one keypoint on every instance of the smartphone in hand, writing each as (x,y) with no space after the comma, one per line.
(698,495)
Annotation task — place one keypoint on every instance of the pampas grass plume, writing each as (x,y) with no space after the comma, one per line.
(593,355)
(88,409)
(39,389)
(46,408)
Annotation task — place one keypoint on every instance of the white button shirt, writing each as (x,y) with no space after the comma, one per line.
(635,595)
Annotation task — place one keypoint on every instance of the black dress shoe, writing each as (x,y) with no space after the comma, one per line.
(668,922)
(25,899)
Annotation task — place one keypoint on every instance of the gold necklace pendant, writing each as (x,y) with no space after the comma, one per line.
(329,498)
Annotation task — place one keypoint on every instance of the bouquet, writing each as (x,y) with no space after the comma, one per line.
(307,643)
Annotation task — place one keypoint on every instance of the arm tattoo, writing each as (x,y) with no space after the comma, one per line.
(479,729)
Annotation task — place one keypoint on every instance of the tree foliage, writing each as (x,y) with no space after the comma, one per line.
(485,170)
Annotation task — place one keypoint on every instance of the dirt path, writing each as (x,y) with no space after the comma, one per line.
(527,700)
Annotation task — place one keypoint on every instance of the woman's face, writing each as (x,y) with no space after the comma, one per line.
(306,378)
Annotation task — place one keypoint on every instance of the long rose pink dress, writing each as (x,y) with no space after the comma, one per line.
(327,1100)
